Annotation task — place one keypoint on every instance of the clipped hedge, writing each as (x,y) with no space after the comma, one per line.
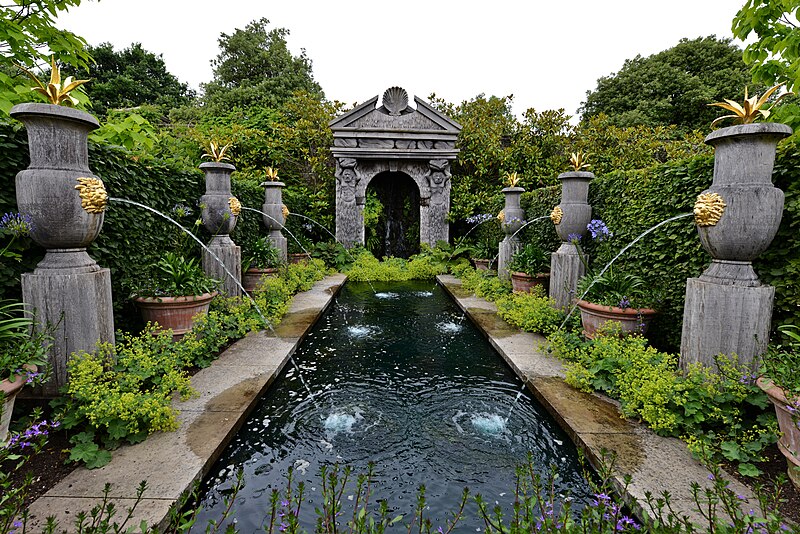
(630,202)
(132,238)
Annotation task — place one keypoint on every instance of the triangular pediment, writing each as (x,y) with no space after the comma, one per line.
(371,115)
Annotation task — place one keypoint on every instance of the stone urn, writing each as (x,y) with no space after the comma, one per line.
(274,215)
(788,415)
(66,202)
(512,221)
(46,190)
(9,389)
(174,313)
(217,216)
(573,213)
(631,320)
(738,216)
(524,283)
(570,218)
(251,278)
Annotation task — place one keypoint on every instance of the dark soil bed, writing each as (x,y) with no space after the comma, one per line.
(773,468)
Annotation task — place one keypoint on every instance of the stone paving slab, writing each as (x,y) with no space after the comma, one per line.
(171,462)
(594,422)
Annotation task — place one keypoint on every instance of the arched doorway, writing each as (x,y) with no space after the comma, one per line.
(391,215)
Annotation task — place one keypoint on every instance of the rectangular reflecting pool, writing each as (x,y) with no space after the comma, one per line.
(398,376)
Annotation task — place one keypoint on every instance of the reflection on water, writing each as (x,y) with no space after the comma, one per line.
(410,385)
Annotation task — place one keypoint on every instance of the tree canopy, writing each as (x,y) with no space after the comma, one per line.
(28,35)
(133,77)
(256,68)
(674,86)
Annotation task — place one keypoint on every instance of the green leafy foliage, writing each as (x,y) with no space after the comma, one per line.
(485,284)
(130,78)
(28,37)
(672,87)
(260,254)
(367,267)
(255,68)
(531,260)
(774,55)
(532,312)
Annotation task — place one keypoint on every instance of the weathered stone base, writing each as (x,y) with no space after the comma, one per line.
(77,311)
(279,242)
(566,268)
(725,319)
(230,258)
(508,247)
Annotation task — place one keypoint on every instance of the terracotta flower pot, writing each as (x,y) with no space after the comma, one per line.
(299,257)
(788,415)
(174,313)
(482,265)
(251,278)
(9,390)
(524,283)
(593,316)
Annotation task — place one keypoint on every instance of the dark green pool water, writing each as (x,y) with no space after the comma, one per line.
(402,379)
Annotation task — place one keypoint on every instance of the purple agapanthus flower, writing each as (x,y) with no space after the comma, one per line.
(16,224)
(624,303)
(599,230)
(574,238)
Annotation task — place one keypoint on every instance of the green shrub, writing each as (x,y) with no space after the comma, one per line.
(367,268)
(717,413)
(532,312)
(122,393)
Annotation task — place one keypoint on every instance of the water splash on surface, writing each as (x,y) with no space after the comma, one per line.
(489,424)
(362,331)
(449,327)
(387,295)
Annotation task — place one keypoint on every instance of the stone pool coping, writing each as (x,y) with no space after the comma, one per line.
(171,462)
(594,422)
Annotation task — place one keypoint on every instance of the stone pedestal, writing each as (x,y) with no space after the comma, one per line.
(71,298)
(508,247)
(566,268)
(725,319)
(228,256)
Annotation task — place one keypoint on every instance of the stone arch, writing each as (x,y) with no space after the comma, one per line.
(418,142)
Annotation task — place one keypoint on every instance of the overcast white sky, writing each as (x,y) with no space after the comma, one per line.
(546,53)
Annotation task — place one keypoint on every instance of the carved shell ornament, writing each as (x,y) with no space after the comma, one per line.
(556,215)
(235,205)
(501,216)
(708,209)
(94,198)
(395,100)
(284,211)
